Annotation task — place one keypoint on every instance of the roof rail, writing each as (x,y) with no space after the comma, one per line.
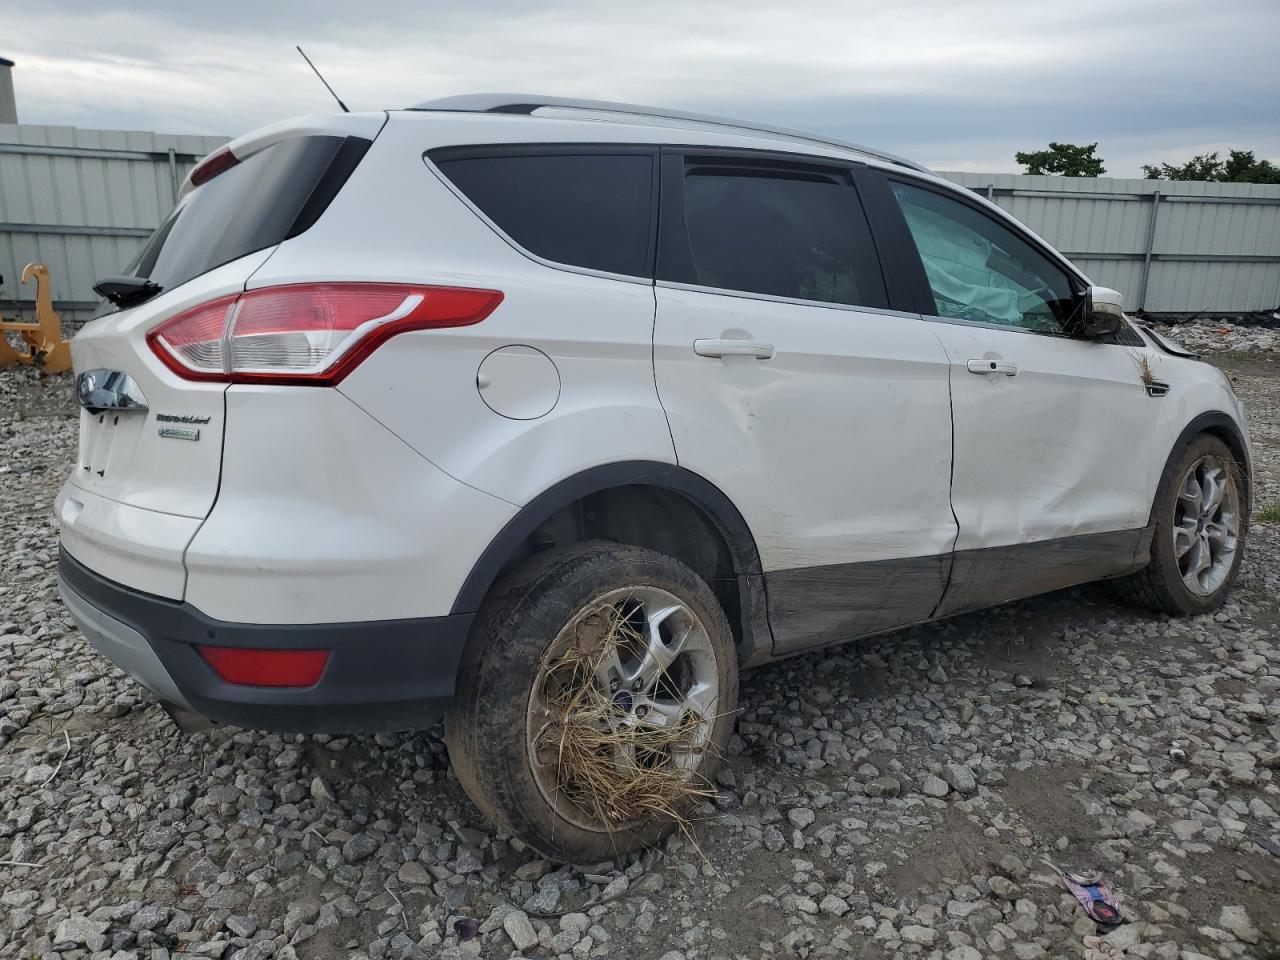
(527,103)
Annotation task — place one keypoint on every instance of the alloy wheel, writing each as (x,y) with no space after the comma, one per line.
(626,697)
(1206,525)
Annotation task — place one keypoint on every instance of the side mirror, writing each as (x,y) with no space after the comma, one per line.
(1103,314)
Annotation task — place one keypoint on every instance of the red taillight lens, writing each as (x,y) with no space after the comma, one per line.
(266,668)
(192,343)
(306,333)
(212,165)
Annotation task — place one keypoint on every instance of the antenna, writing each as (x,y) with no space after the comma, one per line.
(324,81)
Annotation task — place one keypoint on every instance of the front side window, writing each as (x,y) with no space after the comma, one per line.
(801,236)
(980,270)
(585,210)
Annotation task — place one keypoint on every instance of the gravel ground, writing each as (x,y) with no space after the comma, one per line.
(1261,335)
(900,796)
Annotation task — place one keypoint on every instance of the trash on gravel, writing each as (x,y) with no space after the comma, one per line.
(1100,948)
(1095,897)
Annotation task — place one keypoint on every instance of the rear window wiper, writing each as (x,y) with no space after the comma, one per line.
(126,291)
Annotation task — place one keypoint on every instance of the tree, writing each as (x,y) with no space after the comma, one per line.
(1068,159)
(1240,167)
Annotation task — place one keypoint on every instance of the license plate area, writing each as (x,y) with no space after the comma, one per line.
(107,442)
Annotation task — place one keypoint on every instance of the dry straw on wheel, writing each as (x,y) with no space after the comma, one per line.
(616,768)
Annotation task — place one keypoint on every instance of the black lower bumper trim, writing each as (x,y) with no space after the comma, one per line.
(382,675)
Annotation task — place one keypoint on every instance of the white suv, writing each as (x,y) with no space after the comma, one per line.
(506,407)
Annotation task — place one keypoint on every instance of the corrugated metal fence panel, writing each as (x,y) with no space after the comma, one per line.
(1181,286)
(1122,275)
(83,202)
(1237,229)
(1216,246)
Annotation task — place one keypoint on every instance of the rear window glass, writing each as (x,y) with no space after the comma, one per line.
(799,237)
(276,193)
(586,210)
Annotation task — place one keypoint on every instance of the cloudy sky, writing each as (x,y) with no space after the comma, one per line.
(957,84)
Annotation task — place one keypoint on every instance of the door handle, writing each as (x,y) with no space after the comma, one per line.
(992,366)
(733,348)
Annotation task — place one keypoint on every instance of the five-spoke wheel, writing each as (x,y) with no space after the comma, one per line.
(1206,526)
(1201,521)
(595,700)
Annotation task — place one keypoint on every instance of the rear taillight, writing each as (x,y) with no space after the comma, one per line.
(313,333)
(252,667)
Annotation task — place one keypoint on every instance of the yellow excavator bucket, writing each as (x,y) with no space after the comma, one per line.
(46,347)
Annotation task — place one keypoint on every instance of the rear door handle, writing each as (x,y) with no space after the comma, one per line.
(733,348)
(992,366)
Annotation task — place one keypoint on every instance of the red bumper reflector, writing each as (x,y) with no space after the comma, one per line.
(252,667)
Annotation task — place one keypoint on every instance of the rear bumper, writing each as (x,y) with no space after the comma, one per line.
(381,675)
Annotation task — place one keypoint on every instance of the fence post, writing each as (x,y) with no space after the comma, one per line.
(173,174)
(1146,259)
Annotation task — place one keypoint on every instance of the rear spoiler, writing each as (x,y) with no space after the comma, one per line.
(364,125)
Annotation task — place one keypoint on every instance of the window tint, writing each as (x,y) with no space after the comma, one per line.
(801,236)
(586,210)
(276,193)
(979,269)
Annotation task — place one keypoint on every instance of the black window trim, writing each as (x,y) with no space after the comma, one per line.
(485,151)
(911,269)
(675,256)
(345,160)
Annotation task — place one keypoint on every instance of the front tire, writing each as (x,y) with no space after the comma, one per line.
(1200,530)
(611,646)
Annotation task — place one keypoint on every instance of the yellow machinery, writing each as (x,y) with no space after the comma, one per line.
(44,337)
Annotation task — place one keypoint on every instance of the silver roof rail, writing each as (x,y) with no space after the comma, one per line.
(527,103)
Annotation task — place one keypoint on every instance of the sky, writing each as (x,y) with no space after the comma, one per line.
(959,85)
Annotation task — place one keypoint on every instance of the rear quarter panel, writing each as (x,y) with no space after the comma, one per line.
(325,517)
(396,220)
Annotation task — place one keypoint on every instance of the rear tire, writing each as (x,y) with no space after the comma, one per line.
(1200,528)
(495,728)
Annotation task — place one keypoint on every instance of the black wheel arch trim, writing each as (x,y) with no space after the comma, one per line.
(700,491)
(1213,421)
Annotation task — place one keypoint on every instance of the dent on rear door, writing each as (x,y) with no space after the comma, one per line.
(837,451)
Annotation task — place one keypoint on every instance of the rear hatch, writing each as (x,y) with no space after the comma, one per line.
(148,466)
(161,452)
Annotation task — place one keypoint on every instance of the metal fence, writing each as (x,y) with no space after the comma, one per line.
(83,201)
(1169,247)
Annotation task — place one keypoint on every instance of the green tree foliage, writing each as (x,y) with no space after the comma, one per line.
(1068,159)
(1240,167)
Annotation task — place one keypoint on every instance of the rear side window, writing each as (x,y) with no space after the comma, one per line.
(586,210)
(798,235)
(266,198)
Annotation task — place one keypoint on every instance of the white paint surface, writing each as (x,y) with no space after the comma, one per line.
(1068,446)
(518,382)
(837,449)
